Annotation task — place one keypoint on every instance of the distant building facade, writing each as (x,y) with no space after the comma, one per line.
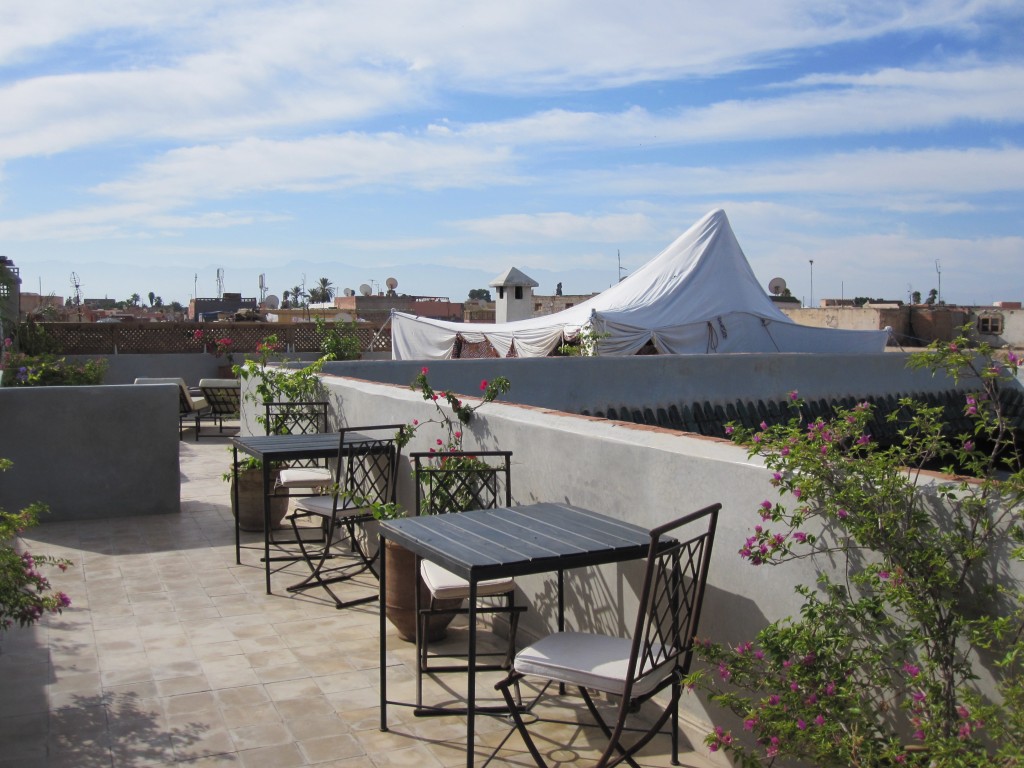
(228,304)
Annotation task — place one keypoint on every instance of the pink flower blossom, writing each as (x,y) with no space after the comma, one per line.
(912,670)
(863,439)
(729,429)
(764,425)
(819,720)
(968,446)
(424,371)
(842,514)
(483,384)
(793,395)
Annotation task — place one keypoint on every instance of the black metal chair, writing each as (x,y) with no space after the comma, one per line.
(658,655)
(224,397)
(448,482)
(365,474)
(299,418)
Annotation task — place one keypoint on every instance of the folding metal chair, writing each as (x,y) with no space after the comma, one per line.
(299,418)
(365,474)
(447,482)
(634,669)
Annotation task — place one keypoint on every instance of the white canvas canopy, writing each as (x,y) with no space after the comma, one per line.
(697,296)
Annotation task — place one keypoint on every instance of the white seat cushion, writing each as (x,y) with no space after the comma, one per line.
(585,659)
(445,585)
(198,402)
(324,505)
(305,477)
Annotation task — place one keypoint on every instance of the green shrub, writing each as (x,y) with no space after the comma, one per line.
(916,594)
(50,371)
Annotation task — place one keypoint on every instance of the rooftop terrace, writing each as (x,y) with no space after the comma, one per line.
(173,655)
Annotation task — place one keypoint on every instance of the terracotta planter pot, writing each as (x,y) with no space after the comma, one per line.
(250,501)
(400,600)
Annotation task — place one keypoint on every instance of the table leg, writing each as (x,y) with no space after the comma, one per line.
(383,636)
(234,496)
(266,521)
(471,693)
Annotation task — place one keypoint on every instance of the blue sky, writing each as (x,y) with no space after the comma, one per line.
(144,146)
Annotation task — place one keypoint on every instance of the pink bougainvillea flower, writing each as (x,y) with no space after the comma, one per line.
(842,514)
(912,670)
(793,395)
(483,384)
(424,371)
(968,445)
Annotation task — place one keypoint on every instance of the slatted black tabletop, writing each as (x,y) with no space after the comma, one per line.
(513,541)
(321,445)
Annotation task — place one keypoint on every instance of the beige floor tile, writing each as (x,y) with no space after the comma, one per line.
(173,654)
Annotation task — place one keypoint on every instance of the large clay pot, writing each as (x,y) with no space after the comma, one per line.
(250,501)
(400,600)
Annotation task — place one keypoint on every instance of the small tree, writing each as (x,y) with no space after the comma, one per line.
(482,294)
(883,657)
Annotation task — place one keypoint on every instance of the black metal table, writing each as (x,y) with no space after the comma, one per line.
(509,541)
(280,448)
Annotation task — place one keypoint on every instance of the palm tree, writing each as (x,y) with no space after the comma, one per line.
(152,299)
(322,292)
(296,293)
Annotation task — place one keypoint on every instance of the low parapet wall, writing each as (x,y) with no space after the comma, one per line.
(578,384)
(91,452)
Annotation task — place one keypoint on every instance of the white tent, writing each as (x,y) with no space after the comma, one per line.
(697,296)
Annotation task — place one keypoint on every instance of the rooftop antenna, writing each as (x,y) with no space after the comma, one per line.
(938,271)
(263,287)
(77,286)
(618,255)
(777,285)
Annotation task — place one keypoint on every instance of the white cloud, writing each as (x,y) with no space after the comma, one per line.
(561,226)
(308,165)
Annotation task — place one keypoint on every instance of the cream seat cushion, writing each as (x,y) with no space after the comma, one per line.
(445,585)
(587,660)
(305,477)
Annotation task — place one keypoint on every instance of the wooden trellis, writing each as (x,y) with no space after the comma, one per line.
(164,338)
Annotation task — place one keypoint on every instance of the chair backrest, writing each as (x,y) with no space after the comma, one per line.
(185,402)
(670,599)
(366,471)
(295,418)
(224,396)
(455,481)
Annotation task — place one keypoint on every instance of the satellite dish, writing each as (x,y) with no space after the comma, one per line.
(272,302)
(391,283)
(777,285)
(364,289)
(349,292)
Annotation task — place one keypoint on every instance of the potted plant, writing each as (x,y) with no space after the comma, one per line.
(400,566)
(218,347)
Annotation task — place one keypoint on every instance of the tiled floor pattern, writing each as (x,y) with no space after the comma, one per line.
(173,655)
